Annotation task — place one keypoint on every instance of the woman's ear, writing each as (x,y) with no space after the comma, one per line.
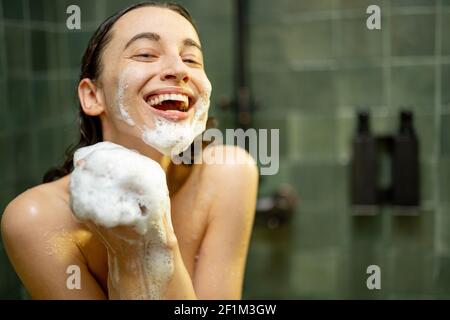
(90,98)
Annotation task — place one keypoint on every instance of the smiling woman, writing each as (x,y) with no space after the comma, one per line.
(137,225)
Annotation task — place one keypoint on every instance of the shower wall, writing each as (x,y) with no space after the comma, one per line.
(312,64)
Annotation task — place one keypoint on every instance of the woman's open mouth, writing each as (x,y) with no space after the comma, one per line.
(173,106)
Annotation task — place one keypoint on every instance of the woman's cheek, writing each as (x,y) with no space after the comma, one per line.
(204,84)
(127,98)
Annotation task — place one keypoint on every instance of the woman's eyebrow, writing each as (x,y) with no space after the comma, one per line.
(188,42)
(144,35)
(191,43)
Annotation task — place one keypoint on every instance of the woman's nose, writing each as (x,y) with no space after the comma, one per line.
(175,70)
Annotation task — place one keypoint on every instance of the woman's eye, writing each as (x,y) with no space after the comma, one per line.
(191,61)
(144,56)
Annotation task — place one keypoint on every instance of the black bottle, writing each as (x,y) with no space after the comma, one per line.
(405,168)
(364,164)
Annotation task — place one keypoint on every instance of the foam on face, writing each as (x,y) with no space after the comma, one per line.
(112,186)
(173,137)
(120,100)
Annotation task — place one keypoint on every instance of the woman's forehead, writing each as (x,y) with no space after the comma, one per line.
(162,21)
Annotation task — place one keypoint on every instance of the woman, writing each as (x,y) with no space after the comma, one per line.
(145,51)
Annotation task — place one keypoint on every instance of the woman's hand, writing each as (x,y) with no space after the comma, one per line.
(123,197)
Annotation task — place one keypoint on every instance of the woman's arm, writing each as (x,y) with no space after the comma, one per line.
(219,273)
(155,271)
(41,244)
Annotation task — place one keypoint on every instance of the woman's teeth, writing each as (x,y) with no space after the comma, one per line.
(183,100)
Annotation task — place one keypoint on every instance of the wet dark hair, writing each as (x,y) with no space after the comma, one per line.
(91,67)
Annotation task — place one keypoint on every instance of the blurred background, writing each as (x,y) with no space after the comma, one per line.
(311,65)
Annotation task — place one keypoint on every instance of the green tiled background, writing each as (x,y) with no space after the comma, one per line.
(313,63)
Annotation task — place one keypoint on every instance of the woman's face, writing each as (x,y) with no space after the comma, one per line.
(153,81)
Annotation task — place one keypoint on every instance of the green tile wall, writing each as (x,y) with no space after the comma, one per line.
(338,66)
(312,64)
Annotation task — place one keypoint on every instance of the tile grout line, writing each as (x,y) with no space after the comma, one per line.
(387,63)
(293,122)
(375,62)
(69,73)
(437,120)
(29,77)
(336,35)
(324,15)
(3,50)
(59,28)
(4,77)
(100,7)
(47,26)
(63,122)
(386,20)
(28,48)
(60,60)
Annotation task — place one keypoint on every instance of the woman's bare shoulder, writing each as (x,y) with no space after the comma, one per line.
(38,209)
(228,170)
(227,162)
(42,240)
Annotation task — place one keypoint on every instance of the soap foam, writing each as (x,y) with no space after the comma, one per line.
(113,186)
(173,137)
(122,110)
(161,272)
